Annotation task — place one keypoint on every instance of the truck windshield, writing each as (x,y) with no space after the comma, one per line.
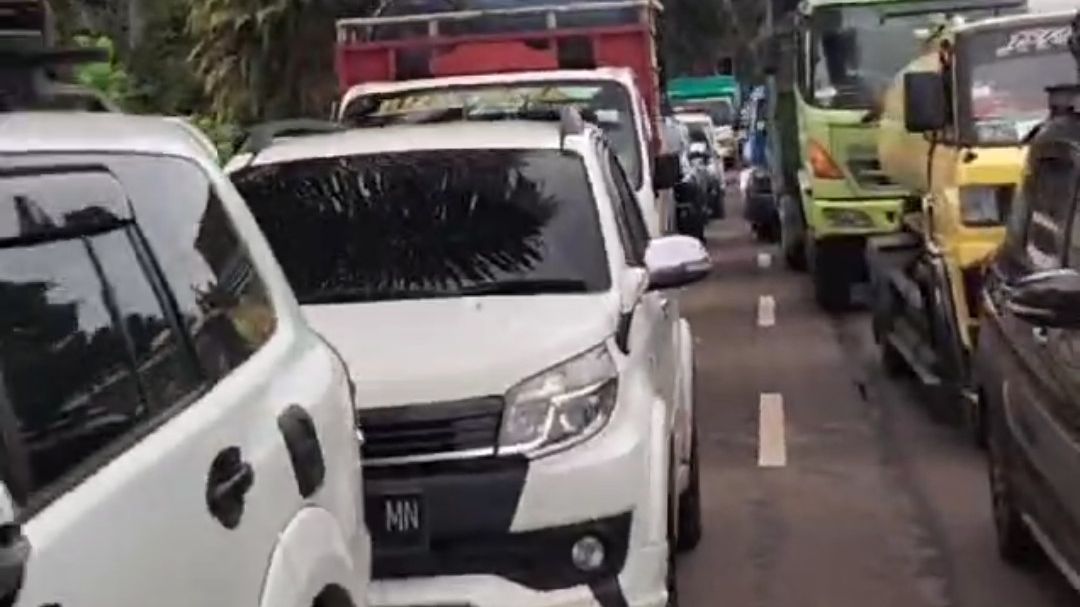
(430,224)
(720,110)
(1006,83)
(857,50)
(608,102)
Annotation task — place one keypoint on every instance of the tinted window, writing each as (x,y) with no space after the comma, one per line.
(430,224)
(88,349)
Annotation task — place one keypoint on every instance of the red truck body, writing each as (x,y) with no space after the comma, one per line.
(579,35)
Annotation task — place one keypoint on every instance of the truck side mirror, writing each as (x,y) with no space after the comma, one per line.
(925,105)
(666,173)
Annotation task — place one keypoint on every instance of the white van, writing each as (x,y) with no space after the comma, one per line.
(171,431)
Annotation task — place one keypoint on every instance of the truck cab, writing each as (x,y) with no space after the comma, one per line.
(847,54)
(954,132)
(600,56)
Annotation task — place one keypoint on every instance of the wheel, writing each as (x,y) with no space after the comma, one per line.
(688,533)
(1016,545)
(770,231)
(672,578)
(976,422)
(832,292)
(791,238)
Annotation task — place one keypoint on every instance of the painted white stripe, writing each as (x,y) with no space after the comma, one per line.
(766,311)
(772,448)
(764,260)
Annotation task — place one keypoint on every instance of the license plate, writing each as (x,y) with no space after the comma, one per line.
(398,520)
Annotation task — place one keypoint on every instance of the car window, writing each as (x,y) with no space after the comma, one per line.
(431,224)
(88,349)
(1052,193)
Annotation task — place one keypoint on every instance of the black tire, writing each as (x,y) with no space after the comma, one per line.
(791,241)
(892,361)
(689,526)
(832,292)
(976,423)
(673,524)
(1016,545)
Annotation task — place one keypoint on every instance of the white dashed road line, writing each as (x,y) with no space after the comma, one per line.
(766,311)
(772,448)
(764,260)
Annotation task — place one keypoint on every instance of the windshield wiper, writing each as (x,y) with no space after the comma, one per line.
(528,287)
(366,296)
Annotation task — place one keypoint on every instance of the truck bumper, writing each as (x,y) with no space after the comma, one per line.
(865,217)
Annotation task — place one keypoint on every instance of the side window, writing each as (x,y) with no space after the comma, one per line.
(636,231)
(220,298)
(1051,198)
(88,350)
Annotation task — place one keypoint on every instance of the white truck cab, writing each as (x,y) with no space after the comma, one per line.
(609,94)
(524,386)
(171,431)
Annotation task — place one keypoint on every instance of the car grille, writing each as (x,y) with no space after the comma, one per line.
(431,431)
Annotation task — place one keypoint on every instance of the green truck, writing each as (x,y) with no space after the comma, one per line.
(718,96)
(834,194)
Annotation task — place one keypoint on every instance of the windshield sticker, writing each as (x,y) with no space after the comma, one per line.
(494,98)
(1035,40)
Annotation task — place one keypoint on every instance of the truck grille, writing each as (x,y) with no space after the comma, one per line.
(433,431)
(869,174)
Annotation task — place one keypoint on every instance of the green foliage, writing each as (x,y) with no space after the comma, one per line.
(109,78)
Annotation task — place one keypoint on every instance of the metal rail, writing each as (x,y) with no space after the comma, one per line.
(348,26)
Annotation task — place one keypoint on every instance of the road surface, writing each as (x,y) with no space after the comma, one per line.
(825,484)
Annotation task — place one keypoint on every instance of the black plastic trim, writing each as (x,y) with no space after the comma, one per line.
(622,332)
(305,451)
(608,593)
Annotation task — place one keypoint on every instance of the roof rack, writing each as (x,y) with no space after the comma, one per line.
(262,136)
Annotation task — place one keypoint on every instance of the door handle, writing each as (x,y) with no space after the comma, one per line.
(229,481)
(1041,335)
(14,554)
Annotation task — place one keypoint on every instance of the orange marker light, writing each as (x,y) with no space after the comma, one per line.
(822,164)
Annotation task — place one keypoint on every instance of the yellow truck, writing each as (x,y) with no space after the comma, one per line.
(953,129)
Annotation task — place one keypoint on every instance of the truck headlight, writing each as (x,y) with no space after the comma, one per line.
(560,407)
(984,205)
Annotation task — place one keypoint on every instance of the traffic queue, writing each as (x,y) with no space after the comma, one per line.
(973,282)
(427,352)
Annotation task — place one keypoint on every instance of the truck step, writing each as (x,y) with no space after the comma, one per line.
(906,342)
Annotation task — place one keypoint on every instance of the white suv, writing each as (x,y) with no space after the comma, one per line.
(171,431)
(525,387)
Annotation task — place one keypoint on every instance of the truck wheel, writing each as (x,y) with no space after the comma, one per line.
(832,291)
(1015,542)
(791,236)
(689,532)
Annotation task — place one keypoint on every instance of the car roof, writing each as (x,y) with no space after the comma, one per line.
(529,135)
(617,74)
(72,132)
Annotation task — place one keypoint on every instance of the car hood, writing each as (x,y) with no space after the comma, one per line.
(409,352)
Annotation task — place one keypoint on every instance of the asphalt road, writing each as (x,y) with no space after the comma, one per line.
(826,484)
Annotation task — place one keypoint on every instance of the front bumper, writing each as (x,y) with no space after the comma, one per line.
(829,218)
(500,530)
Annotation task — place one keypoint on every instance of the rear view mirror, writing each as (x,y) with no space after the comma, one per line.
(667,172)
(676,261)
(925,105)
(1048,299)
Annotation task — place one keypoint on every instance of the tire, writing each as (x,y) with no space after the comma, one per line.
(791,242)
(976,423)
(892,361)
(689,529)
(672,578)
(1016,545)
(832,293)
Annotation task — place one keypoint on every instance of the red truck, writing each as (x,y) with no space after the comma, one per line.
(416,56)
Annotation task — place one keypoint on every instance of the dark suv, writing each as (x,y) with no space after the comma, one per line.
(1028,359)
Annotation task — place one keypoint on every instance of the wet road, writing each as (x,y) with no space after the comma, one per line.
(826,484)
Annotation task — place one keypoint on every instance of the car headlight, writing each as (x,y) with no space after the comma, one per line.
(561,406)
(984,205)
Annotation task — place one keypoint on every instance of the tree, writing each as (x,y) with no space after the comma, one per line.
(266,59)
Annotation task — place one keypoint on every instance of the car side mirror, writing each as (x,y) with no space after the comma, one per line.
(667,171)
(925,106)
(1047,299)
(676,261)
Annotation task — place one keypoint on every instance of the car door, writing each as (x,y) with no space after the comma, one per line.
(1042,373)
(656,311)
(146,374)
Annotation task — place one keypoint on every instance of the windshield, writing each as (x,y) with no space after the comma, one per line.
(721,111)
(857,50)
(431,224)
(1006,85)
(608,103)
